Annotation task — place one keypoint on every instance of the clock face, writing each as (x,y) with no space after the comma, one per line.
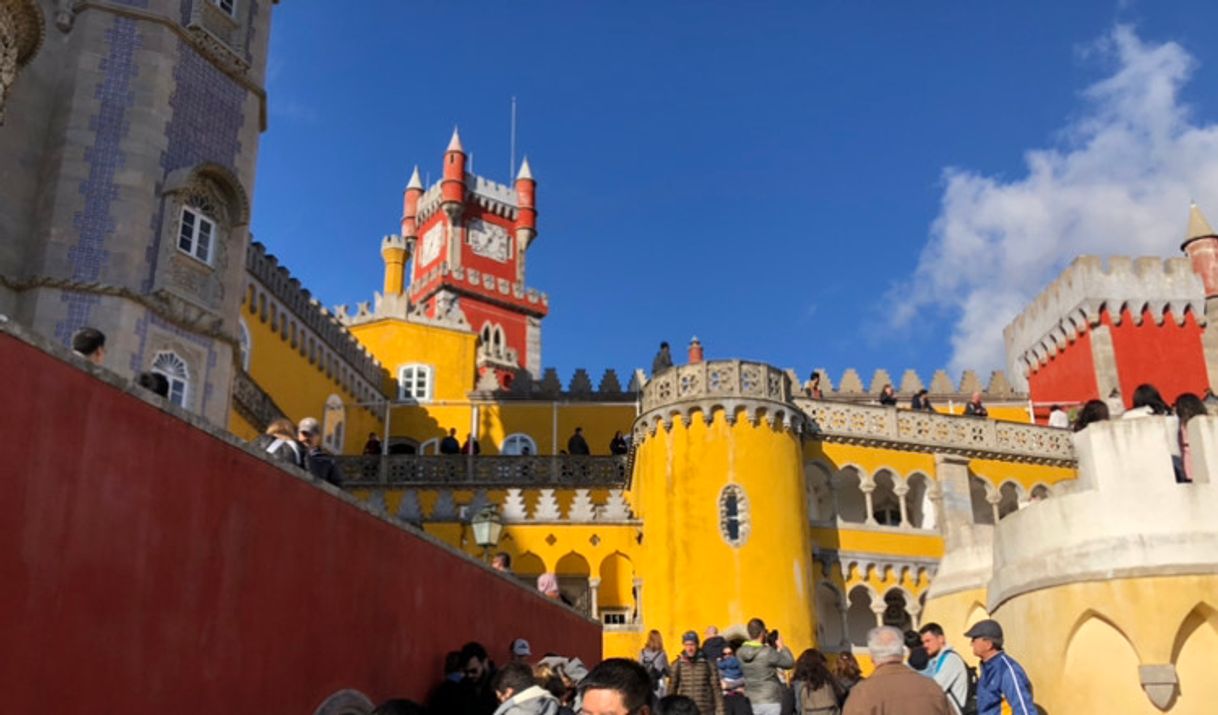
(432,240)
(489,240)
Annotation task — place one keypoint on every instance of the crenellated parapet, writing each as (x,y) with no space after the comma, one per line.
(1090,288)
(491,196)
(276,297)
(754,390)
(941,388)
(580,387)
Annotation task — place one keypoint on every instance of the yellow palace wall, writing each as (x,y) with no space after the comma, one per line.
(299,387)
(693,576)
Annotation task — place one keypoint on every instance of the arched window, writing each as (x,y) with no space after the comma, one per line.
(174,369)
(244,343)
(333,424)
(415,383)
(733,515)
(517,444)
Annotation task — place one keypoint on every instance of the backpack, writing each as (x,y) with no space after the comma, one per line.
(652,671)
(969,706)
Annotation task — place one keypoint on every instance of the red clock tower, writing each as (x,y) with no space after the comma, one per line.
(470,236)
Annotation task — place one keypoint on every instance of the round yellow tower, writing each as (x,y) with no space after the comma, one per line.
(718,483)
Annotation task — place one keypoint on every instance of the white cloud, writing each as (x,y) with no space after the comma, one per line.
(1118,183)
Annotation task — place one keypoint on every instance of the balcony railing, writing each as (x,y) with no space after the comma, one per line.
(484,470)
(932,432)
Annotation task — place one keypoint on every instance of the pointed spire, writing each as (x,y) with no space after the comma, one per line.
(1198,227)
(525,171)
(454,144)
(415,181)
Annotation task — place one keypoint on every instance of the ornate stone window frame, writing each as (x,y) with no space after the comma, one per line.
(175,369)
(734,517)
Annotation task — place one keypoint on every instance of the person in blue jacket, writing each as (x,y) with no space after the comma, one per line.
(1001,677)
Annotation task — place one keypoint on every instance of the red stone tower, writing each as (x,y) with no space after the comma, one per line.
(1105,326)
(471,235)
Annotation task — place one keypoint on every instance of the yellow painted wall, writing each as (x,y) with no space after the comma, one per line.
(692,576)
(298,387)
(450,353)
(1081,643)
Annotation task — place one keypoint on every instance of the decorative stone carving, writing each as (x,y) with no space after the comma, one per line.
(547,507)
(1160,683)
(21,33)
(582,509)
(252,403)
(513,506)
(615,508)
(409,510)
(932,432)
(445,508)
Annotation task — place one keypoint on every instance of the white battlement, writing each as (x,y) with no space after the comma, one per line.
(1089,287)
(1124,516)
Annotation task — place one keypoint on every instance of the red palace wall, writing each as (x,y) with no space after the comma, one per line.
(515,325)
(1168,356)
(1068,377)
(149,566)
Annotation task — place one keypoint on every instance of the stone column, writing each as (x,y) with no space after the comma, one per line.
(914,609)
(638,601)
(878,609)
(593,585)
(867,488)
(993,496)
(954,501)
(902,490)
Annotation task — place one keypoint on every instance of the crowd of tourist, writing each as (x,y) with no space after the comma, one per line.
(1147,402)
(726,676)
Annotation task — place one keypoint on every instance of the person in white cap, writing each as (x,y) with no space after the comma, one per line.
(521,650)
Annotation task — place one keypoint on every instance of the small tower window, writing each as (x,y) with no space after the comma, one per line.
(733,515)
(229,7)
(195,234)
(415,383)
(175,371)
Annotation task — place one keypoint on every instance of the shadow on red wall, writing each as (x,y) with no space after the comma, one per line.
(149,566)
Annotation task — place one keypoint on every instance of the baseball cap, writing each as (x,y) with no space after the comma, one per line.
(690,637)
(309,425)
(988,629)
(521,647)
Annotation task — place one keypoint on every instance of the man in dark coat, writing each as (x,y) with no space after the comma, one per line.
(577,445)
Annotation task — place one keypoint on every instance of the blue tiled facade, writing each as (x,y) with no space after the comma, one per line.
(94,222)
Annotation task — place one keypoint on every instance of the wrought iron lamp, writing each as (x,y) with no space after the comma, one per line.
(488,528)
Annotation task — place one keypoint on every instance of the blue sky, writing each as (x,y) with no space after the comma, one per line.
(825,184)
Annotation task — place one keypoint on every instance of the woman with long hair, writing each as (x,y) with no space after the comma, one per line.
(655,660)
(1147,402)
(816,690)
(1093,411)
(847,672)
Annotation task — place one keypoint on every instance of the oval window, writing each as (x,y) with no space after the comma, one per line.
(734,515)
